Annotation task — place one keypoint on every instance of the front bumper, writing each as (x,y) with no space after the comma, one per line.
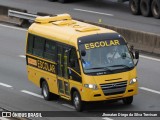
(98,95)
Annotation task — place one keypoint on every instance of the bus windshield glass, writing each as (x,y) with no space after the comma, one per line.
(106,56)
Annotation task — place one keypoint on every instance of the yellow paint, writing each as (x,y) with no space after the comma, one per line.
(100,21)
(68,34)
(101,44)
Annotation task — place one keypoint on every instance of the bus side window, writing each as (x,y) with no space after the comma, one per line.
(38,46)
(30,44)
(74,57)
(50,50)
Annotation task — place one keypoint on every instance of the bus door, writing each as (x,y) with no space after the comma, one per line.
(63,83)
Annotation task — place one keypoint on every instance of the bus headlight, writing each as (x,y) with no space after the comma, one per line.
(91,86)
(132,81)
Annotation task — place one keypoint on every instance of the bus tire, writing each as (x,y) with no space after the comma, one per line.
(155,8)
(128,100)
(47,95)
(134,6)
(77,102)
(145,6)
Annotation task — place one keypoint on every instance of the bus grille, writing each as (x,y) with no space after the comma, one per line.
(114,88)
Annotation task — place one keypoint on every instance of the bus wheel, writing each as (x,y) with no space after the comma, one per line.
(45,91)
(155,7)
(134,6)
(128,100)
(145,6)
(77,101)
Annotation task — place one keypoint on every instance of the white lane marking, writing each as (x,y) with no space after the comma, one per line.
(150,58)
(106,118)
(89,11)
(5,85)
(69,106)
(12,27)
(22,56)
(2,118)
(31,93)
(150,90)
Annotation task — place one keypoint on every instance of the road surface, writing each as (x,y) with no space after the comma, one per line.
(109,11)
(19,94)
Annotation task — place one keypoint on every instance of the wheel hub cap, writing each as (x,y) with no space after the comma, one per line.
(76,101)
(45,91)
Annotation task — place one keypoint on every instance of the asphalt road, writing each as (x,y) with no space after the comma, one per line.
(109,11)
(18,94)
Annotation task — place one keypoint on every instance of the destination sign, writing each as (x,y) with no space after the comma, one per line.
(99,44)
(41,64)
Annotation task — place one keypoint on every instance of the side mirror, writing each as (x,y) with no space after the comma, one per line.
(136,57)
(131,48)
(72,62)
(83,52)
(136,54)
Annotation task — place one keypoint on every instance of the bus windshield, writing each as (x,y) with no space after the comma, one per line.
(105,59)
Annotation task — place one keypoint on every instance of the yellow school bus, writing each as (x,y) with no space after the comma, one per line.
(80,62)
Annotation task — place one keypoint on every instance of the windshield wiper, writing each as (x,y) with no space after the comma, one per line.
(125,66)
(104,68)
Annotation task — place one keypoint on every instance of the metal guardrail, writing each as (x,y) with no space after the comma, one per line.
(21,15)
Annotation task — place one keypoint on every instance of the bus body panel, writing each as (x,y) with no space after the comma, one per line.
(35,75)
(88,94)
(67,37)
